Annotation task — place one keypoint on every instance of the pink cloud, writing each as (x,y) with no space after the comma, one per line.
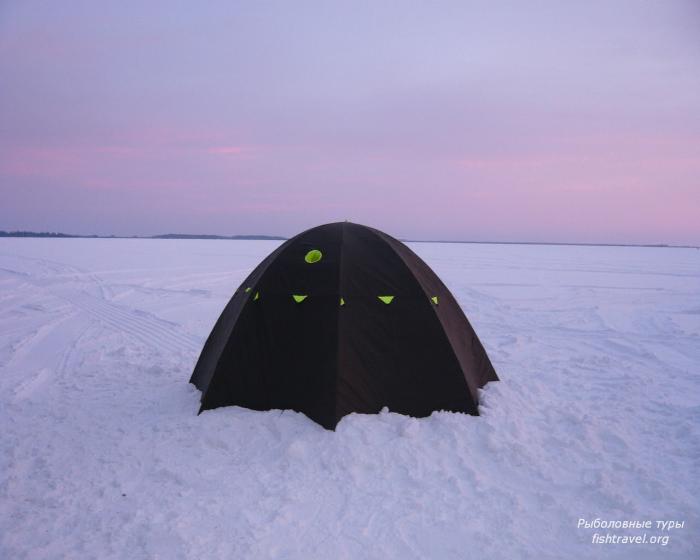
(227,150)
(41,162)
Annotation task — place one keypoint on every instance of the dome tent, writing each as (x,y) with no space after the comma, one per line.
(343,318)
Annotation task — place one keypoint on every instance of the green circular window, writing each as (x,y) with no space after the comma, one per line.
(313,256)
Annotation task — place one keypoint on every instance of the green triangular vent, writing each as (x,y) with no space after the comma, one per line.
(257,296)
(386,299)
(435,299)
(342,302)
(299,298)
(247,289)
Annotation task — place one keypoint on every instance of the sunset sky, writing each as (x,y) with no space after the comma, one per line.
(495,120)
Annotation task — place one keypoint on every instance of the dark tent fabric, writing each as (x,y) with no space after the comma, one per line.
(343,318)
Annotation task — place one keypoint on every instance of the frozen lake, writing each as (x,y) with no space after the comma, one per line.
(102,455)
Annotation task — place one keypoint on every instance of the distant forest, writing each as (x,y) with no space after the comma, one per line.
(164,236)
(38,234)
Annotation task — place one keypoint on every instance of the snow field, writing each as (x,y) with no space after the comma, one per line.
(102,454)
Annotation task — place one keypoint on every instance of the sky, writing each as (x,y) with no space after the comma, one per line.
(468,120)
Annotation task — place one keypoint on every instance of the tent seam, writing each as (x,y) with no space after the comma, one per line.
(337,325)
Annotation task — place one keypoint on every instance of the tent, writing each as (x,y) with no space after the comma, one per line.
(343,318)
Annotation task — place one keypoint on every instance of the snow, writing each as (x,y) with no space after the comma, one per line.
(102,454)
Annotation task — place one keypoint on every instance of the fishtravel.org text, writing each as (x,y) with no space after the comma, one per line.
(660,536)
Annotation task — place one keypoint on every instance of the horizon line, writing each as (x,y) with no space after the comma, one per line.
(264,237)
